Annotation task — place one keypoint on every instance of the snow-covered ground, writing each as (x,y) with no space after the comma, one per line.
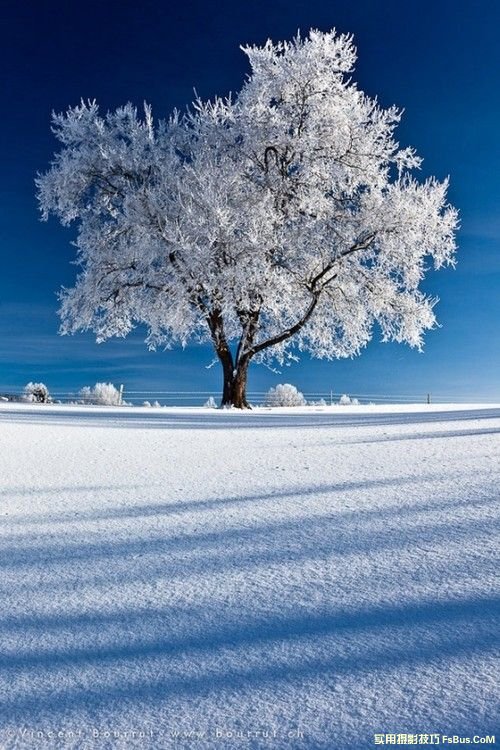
(319,575)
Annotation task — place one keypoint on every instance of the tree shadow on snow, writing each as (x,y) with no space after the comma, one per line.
(428,633)
(321,534)
(174,507)
(157,654)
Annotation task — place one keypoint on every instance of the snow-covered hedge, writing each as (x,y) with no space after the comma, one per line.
(104,394)
(284,395)
(37,393)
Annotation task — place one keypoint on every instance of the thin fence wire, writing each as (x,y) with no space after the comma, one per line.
(199,398)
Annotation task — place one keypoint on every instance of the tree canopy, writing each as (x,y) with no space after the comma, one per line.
(284,219)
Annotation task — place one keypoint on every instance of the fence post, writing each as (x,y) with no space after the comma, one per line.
(121,395)
(428,398)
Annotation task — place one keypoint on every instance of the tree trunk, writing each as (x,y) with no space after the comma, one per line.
(226,361)
(234,376)
(235,385)
(240,386)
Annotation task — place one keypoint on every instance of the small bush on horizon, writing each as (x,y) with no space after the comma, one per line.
(37,393)
(284,395)
(210,403)
(102,394)
(346,400)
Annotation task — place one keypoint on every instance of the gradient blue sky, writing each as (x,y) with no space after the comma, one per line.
(438,60)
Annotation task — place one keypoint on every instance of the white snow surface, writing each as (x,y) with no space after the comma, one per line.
(316,574)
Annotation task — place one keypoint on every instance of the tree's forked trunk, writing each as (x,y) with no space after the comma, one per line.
(235,385)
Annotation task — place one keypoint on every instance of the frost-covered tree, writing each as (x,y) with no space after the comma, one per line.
(104,394)
(37,393)
(284,219)
(284,395)
(346,400)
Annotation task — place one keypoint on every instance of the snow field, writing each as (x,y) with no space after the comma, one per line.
(316,575)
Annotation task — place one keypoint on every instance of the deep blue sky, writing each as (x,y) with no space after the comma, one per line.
(438,60)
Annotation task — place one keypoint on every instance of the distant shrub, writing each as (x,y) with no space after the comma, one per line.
(345,400)
(284,395)
(37,393)
(210,403)
(146,403)
(156,404)
(102,394)
(321,402)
